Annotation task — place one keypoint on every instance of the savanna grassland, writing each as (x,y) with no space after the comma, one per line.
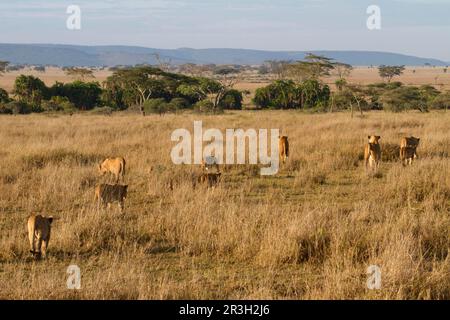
(310,232)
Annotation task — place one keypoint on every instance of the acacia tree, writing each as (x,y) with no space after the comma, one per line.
(80,74)
(202,89)
(342,71)
(313,67)
(135,85)
(279,68)
(389,72)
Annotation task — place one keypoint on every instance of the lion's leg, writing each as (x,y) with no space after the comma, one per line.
(39,246)
(403,156)
(31,239)
(44,248)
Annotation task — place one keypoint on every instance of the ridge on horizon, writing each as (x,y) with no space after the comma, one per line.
(111,55)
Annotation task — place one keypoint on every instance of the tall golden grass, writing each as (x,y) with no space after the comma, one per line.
(310,232)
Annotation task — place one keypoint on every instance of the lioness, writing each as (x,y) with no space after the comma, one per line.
(116,166)
(372,153)
(105,194)
(408,150)
(283,145)
(39,228)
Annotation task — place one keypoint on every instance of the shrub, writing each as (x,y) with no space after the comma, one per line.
(4,109)
(282,94)
(206,106)
(4,97)
(19,107)
(286,94)
(158,106)
(442,101)
(403,99)
(84,95)
(179,103)
(231,100)
(58,104)
(30,90)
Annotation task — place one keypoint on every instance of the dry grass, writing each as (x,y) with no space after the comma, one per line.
(309,233)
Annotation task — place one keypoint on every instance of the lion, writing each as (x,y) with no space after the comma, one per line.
(39,228)
(283,145)
(106,194)
(408,150)
(372,153)
(115,166)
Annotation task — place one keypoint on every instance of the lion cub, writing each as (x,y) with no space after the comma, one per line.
(39,228)
(372,153)
(106,194)
(408,150)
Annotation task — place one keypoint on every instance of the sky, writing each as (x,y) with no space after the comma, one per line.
(416,27)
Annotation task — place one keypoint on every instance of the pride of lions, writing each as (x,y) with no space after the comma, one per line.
(39,226)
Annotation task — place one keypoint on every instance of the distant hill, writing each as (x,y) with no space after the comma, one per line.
(73,55)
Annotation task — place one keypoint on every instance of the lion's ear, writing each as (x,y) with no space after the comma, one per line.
(368,137)
(378,137)
(50,219)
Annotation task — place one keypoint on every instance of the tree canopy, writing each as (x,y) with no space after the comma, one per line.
(389,72)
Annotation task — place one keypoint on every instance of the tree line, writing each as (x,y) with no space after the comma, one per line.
(299,85)
(147,89)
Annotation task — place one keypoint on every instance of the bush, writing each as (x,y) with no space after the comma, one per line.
(4,109)
(232,100)
(84,95)
(206,106)
(442,101)
(58,104)
(179,104)
(158,106)
(286,94)
(403,99)
(282,94)
(4,97)
(19,107)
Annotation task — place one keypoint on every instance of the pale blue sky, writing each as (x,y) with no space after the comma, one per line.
(417,27)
